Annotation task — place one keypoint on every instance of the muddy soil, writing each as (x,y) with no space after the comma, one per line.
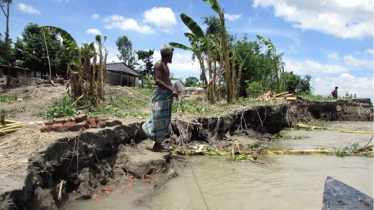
(48,171)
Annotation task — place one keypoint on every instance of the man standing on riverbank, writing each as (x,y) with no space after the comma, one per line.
(334,93)
(162,100)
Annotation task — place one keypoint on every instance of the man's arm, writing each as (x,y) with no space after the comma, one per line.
(159,70)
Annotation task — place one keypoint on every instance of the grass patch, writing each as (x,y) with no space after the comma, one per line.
(316,97)
(123,107)
(195,107)
(63,108)
(252,101)
(144,91)
(9,98)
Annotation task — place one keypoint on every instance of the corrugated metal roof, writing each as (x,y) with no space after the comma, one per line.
(121,67)
(175,81)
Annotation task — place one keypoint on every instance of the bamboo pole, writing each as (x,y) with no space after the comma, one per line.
(360,132)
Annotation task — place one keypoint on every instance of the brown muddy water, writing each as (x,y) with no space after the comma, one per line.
(286,182)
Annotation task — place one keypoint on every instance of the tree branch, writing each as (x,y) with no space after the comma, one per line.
(2,8)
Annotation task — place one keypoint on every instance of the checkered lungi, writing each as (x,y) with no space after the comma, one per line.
(157,125)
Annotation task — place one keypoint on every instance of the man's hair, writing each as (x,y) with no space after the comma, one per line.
(166,50)
(336,87)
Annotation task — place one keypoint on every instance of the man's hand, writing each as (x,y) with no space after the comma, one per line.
(175,93)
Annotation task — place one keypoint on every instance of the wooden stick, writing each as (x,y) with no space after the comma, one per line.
(60,191)
(77,100)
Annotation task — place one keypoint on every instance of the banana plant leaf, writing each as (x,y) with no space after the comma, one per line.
(192,25)
(180,46)
(267,42)
(215,5)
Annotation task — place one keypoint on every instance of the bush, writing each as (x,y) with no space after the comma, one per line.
(64,108)
(254,89)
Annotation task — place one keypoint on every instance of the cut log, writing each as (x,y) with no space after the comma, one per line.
(281,94)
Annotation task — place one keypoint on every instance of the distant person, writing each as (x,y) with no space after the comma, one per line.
(162,101)
(334,93)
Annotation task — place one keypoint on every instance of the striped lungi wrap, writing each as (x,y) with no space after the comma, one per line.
(157,125)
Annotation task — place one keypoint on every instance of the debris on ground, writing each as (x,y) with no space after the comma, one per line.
(269,96)
(9,126)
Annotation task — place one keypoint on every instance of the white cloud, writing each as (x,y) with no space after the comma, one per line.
(352,61)
(362,86)
(313,68)
(162,17)
(116,21)
(333,56)
(369,51)
(182,63)
(94,31)
(95,16)
(28,9)
(341,18)
(232,17)
(112,55)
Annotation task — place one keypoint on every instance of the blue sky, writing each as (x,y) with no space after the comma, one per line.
(330,40)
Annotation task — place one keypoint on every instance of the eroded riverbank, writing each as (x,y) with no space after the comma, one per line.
(94,159)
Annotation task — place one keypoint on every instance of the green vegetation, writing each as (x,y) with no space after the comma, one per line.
(316,97)
(126,106)
(353,149)
(63,108)
(9,98)
(280,137)
(231,68)
(195,107)
(116,111)
(191,82)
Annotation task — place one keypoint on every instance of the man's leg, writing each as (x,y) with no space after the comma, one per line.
(157,147)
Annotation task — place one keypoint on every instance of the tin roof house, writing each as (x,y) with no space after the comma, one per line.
(118,73)
(178,86)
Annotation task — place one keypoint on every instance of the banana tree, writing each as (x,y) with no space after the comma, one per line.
(277,62)
(82,73)
(217,8)
(197,40)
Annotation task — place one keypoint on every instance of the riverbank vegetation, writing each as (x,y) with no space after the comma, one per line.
(232,69)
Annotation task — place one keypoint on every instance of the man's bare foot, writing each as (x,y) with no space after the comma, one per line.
(157,147)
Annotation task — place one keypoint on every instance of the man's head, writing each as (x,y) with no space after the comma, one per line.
(336,87)
(167,52)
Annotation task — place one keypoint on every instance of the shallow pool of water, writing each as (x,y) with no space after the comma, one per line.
(287,182)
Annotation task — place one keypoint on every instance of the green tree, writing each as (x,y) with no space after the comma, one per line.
(295,84)
(146,57)
(214,25)
(4,4)
(124,46)
(191,82)
(4,56)
(31,50)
